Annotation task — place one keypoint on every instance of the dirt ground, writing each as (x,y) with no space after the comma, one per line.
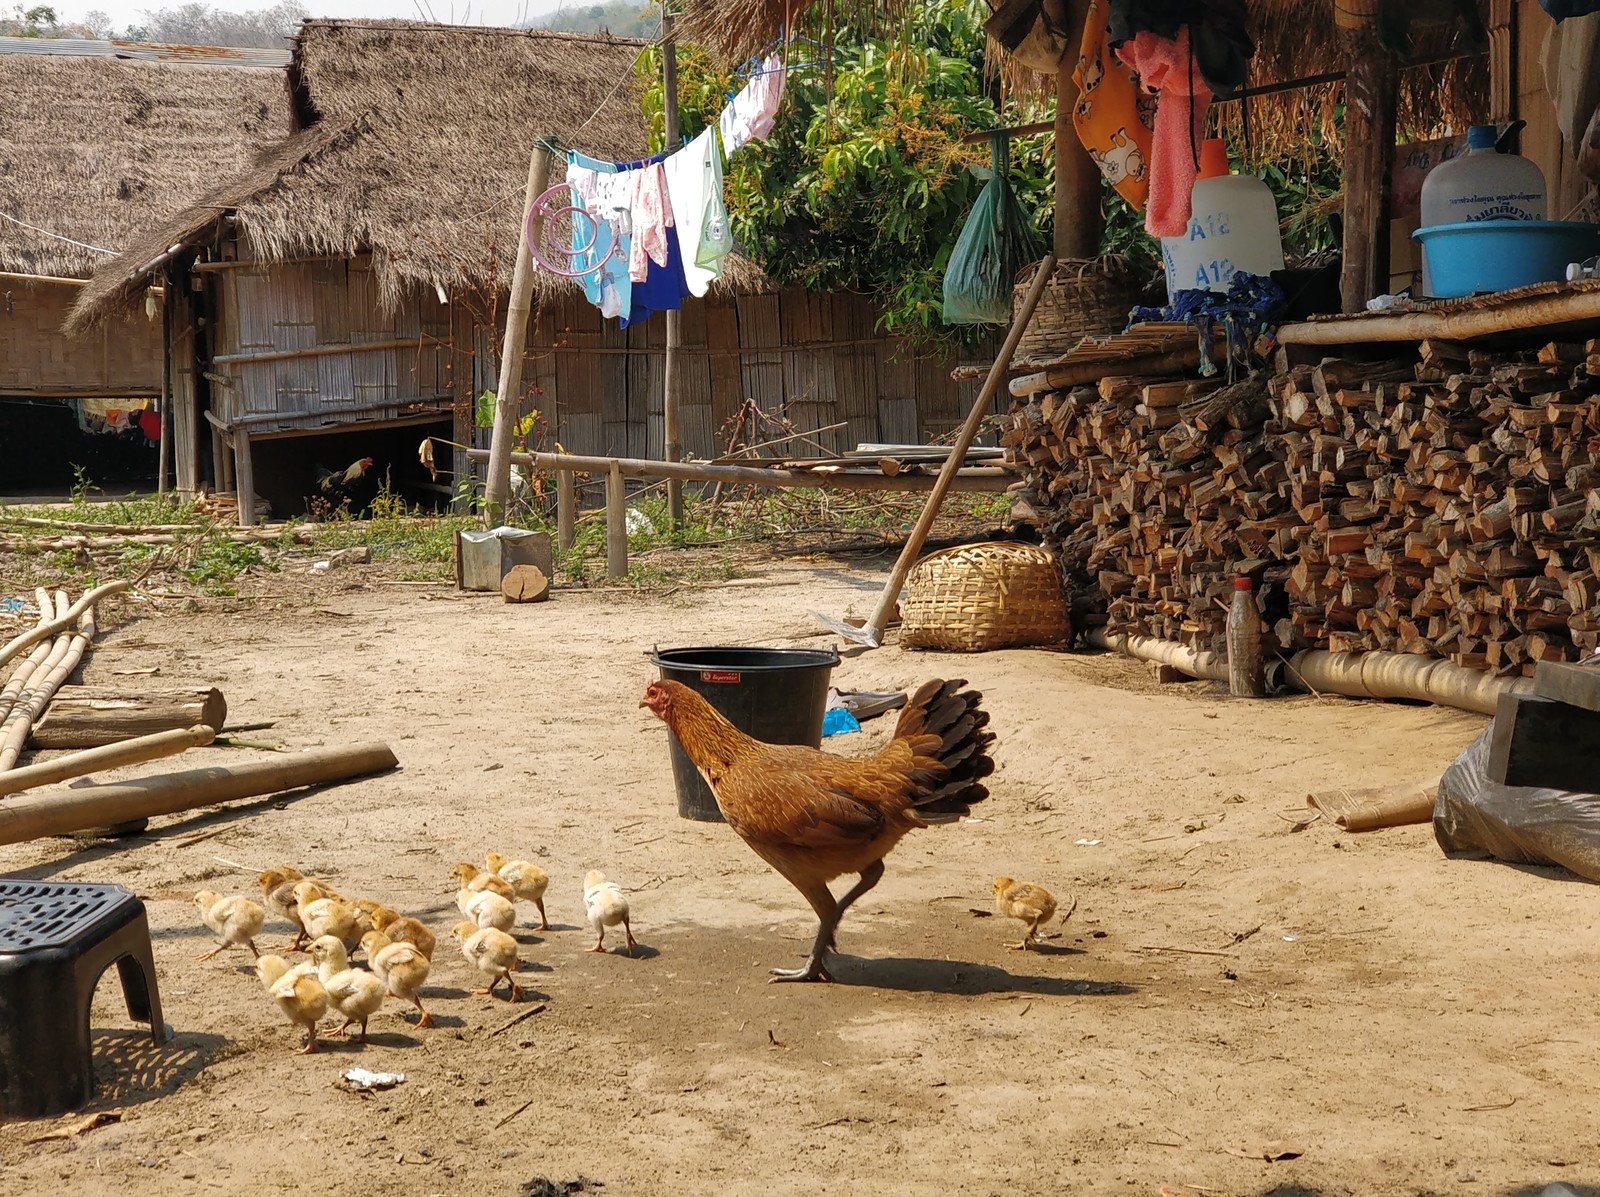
(1410,1024)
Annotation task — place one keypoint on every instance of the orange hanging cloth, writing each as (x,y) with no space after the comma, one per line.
(1114,121)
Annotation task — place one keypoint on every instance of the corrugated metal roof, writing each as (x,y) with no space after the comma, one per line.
(145,51)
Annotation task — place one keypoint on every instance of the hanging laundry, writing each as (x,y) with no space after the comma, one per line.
(593,185)
(150,425)
(1166,65)
(694,180)
(749,115)
(1112,119)
(1218,32)
(651,216)
(663,288)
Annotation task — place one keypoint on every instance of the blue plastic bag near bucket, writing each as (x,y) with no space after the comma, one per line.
(779,695)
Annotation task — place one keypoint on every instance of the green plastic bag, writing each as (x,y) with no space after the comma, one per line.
(995,243)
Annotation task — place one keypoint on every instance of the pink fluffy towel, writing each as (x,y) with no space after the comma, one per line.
(1166,66)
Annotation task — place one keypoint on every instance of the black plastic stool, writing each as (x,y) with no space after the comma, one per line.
(56,938)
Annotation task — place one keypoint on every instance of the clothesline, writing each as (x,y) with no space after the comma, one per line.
(57,236)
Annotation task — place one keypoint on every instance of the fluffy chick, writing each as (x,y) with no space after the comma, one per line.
(527,881)
(487,909)
(606,907)
(1029,903)
(321,916)
(235,921)
(492,952)
(400,928)
(471,877)
(401,967)
(353,992)
(297,992)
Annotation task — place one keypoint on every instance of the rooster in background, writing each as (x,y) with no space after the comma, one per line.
(335,487)
(813,816)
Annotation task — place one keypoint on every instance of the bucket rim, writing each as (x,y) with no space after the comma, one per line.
(1518,226)
(778,659)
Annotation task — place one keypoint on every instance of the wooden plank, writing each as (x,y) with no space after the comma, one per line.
(1574,685)
(1540,742)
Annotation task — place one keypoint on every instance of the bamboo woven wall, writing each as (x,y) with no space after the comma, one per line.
(119,358)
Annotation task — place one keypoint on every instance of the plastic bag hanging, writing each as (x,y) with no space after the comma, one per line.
(995,243)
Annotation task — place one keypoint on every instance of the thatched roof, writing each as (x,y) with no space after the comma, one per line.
(414,145)
(98,150)
(1295,39)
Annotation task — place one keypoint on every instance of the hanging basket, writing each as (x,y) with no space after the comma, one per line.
(977,597)
(1087,297)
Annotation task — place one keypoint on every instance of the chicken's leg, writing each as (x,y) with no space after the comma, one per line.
(829,912)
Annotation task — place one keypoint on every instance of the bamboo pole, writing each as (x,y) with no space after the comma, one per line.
(616,524)
(671,416)
(1576,305)
(508,386)
(111,756)
(63,620)
(62,812)
(872,633)
(566,509)
(63,660)
(19,676)
(977,479)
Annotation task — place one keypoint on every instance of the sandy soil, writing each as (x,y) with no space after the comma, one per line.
(1411,1024)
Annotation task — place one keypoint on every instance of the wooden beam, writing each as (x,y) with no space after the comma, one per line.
(566,510)
(244,471)
(1541,742)
(1574,304)
(1371,96)
(288,355)
(616,524)
(1078,222)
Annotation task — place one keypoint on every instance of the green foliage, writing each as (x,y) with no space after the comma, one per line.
(867,189)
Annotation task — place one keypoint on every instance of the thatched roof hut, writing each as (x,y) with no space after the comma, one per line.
(96,150)
(411,143)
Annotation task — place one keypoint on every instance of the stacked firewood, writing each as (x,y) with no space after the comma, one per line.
(1441,505)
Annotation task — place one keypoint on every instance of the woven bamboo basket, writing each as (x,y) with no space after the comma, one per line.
(976,597)
(1087,297)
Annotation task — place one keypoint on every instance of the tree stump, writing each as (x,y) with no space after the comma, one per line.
(525,584)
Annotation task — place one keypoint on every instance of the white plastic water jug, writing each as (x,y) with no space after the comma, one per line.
(1483,185)
(1233,227)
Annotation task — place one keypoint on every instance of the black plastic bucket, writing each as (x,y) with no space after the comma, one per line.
(779,695)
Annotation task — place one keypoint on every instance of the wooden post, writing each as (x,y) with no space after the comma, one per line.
(1370,98)
(1078,221)
(244,476)
(164,448)
(671,417)
(566,510)
(616,524)
(508,386)
(958,453)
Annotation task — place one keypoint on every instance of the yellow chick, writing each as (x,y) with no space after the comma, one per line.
(400,966)
(330,916)
(487,909)
(353,992)
(493,953)
(402,928)
(376,912)
(298,993)
(235,921)
(469,876)
(1029,903)
(280,887)
(527,881)
(606,907)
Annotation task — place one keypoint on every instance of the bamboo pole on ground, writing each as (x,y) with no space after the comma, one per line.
(508,386)
(872,633)
(616,524)
(19,676)
(63,660)
(111,756)
(63,620)
(62,812)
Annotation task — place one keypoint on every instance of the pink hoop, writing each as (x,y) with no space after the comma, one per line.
(541,207)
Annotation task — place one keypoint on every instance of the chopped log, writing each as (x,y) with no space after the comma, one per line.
(525,584)
(112,756)
(63,812)
(88,716)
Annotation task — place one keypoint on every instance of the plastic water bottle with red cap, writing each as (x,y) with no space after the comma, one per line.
(1246,667)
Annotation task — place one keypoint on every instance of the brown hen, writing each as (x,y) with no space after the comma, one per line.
(814,816)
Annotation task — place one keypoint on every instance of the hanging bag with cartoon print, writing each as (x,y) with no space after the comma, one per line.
(995,243)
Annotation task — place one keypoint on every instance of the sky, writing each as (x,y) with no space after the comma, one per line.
(465,12)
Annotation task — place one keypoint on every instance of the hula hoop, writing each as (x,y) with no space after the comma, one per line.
(541,207)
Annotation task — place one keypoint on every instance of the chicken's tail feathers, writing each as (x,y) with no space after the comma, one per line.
(949,730)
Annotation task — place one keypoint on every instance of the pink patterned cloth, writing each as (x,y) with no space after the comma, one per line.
(1166,66)
(652,216)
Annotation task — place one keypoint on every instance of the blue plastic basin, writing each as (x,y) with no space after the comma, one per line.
(1496,255)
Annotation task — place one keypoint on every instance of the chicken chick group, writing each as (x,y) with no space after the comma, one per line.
(397,949)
